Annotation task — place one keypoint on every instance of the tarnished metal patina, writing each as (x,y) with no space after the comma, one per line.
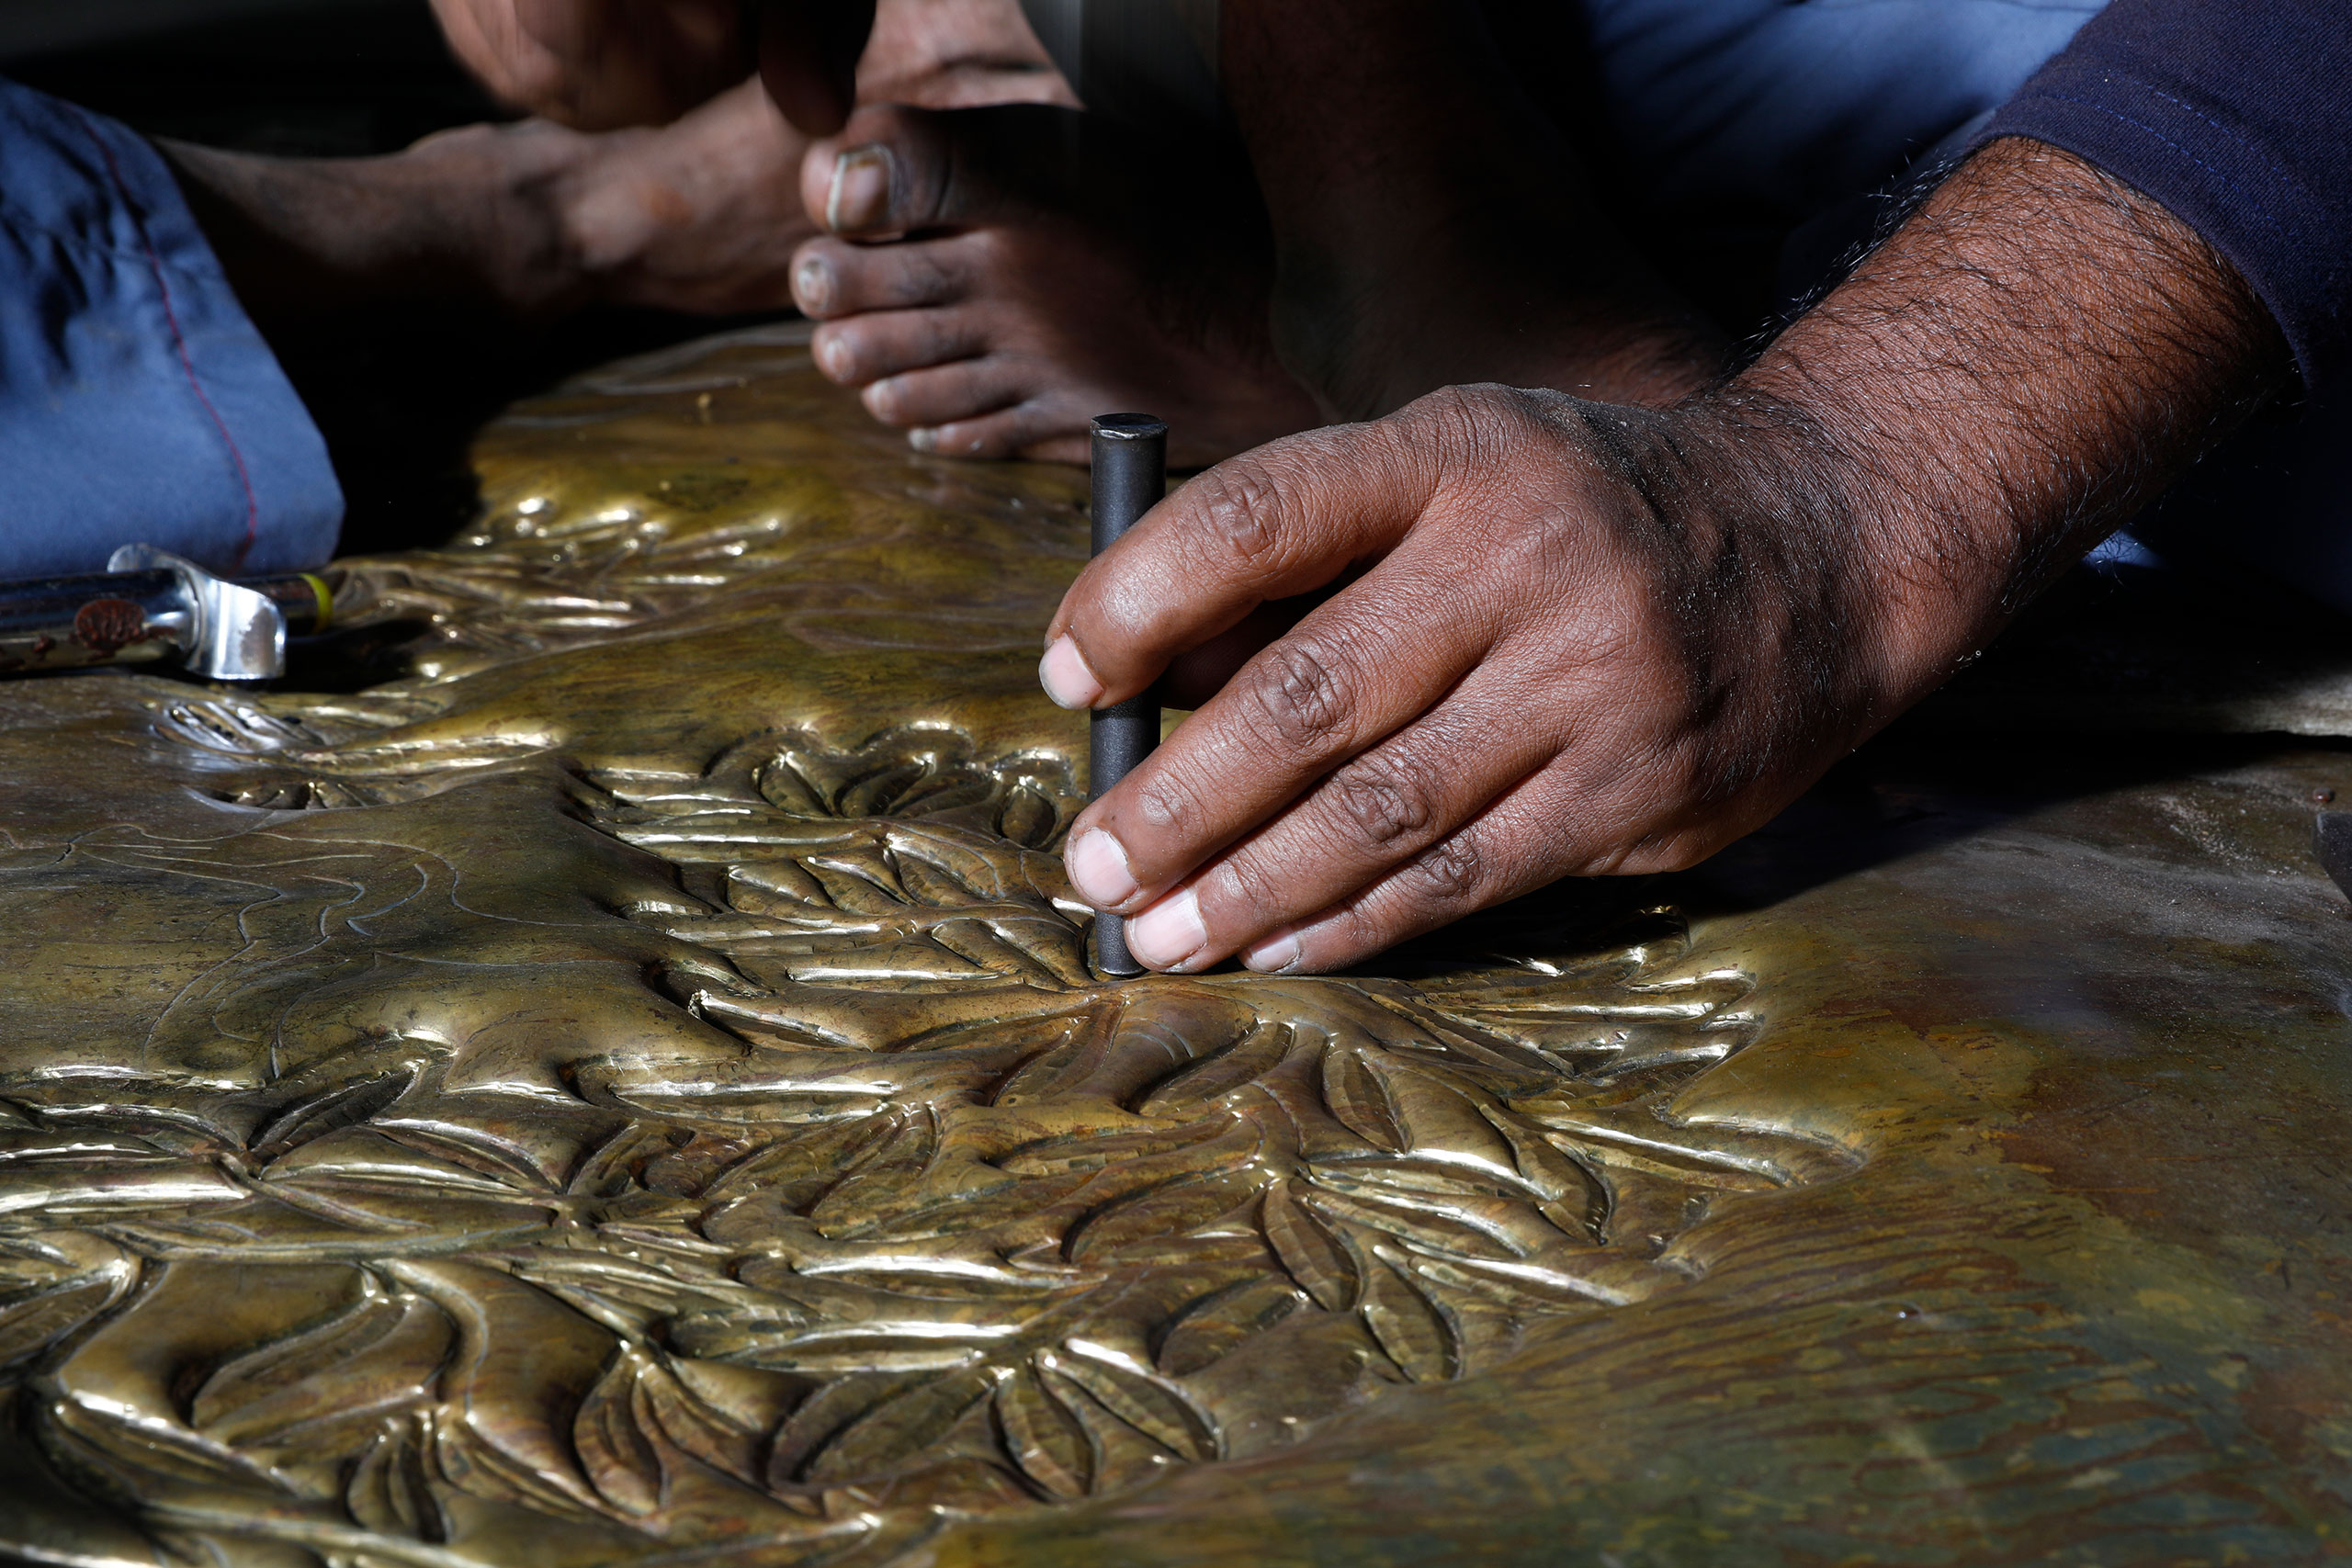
(604,1070)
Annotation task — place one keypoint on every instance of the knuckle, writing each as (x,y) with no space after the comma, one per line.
(1303,693)
(1451,871)
(1382,800)
(1240,503)
(1243,890)
(1167,807)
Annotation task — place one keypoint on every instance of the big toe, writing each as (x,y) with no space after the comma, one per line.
(895,170)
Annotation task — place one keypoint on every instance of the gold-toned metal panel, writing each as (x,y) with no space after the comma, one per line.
(603,1067)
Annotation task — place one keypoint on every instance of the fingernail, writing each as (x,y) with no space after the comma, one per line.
(860,197)
(1273,954)
(924,440)
(1098,869)
(881,399)
(1169,932)
(812,286)
(1065,676)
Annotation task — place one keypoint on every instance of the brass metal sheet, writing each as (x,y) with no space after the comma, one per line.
(630,1089)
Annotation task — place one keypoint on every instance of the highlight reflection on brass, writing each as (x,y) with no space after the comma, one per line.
(632,1086)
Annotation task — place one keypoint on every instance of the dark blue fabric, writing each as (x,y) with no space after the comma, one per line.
(137,403)
(1779,110)
(2236,116)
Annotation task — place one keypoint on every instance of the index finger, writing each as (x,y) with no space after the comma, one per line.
(1272,524)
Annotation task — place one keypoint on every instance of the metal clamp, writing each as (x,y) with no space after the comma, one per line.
(234,634)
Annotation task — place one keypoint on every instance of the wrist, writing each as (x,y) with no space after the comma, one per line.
(2017,371)
(1833,577)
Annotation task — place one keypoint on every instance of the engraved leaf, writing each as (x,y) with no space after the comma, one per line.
(860,881)
(1048,1072)
(825,1414)
(1454,1222)
(1153,1405)
(1222,1322)
(1408,1325)
(900,1429)
(1308,1252)
(882,1179)
(1094,1151)
(383,1355)
(1159,1216)
(52,1283)
(719,1414)
(339,1106)
(390,1491)
(1043,1437)
(1441,1121)
(1216,1074)
(774,886)
(32,1321)
(620,1461)
(1353,1093)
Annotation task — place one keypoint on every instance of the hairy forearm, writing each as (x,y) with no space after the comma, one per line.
(2030,358)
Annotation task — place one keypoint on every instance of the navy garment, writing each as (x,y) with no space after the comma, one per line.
(2236,116)
(138,402)
(1779,112)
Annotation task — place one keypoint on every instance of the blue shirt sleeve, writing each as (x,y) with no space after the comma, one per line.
(2236,116)
(138,402)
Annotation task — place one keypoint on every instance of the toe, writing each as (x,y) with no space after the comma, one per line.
(868,348)
(943,394)
(895,170)
(1031,429)
(890,170)
(831,278)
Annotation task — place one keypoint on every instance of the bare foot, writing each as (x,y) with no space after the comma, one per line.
(994,277)
(701,215)
(1433,227)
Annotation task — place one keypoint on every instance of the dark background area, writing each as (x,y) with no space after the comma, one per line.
(330,78)
(399,392)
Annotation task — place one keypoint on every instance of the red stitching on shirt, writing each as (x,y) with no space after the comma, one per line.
(180,339)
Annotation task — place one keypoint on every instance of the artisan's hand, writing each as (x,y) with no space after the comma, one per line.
(1592,639)
(1580,645)
(600,64)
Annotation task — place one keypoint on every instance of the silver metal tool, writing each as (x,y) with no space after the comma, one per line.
(149,605)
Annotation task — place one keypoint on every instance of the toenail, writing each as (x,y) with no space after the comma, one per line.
(832,357)
(860,197)
(1098,870)
(812,286)
(1169,932)
(1063,674)
(923,439)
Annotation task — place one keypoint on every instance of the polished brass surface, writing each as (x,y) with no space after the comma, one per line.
(631,1088)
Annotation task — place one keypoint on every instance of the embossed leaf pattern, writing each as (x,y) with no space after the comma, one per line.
(876,1191)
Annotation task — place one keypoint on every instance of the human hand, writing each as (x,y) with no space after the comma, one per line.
(600,64)
(1592,639)
(1585,640)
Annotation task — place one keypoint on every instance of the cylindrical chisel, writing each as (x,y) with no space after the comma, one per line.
(1130,457)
